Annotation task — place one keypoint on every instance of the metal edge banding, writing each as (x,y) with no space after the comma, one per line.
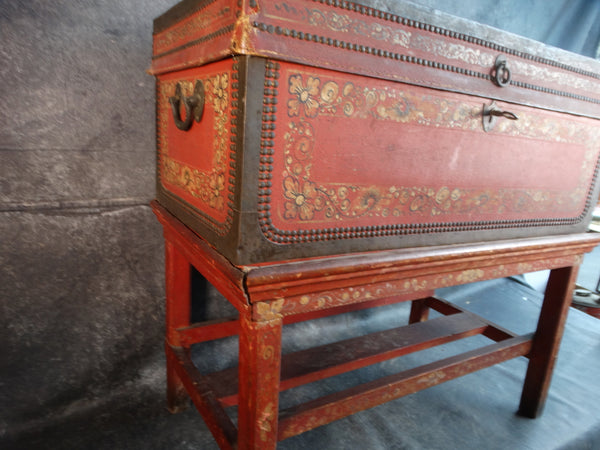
(179,12)
(250,239)
(237,171)
(190,215)
(278,236)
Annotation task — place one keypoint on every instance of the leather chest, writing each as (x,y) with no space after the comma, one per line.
(300,128)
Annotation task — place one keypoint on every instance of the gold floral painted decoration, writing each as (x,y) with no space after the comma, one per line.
(303,199)
(304,96)
(307,199)
(209,186)
(343,22)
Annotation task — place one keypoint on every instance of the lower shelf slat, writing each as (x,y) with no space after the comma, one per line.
(494,331)
(332,407)
(333,359)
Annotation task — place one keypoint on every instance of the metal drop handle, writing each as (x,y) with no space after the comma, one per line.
(506,114)
(194,106)
(501,73)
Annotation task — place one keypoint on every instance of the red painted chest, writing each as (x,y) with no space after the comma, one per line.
(294,129)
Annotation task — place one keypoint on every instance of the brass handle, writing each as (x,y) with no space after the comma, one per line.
(501,73)
(490,114)
(194,106)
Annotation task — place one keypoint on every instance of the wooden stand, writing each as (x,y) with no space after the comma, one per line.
(272,295)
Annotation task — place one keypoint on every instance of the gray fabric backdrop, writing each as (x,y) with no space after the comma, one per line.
(81,255)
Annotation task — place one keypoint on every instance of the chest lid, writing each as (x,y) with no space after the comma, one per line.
(407,43)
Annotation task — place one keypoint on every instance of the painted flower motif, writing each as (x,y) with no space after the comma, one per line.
(371,98)
(348,109)
(300,199)
(399,111)
(370,198)
(442,198)
(304,96)
(418,203)
(216,184)
(402,108)
(339,22)
(330,92)
(219,90)
(470,275)
(265,421)
(186,176)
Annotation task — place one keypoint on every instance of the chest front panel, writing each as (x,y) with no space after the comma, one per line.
(353,157)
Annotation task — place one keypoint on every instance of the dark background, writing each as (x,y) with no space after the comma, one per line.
(81,254)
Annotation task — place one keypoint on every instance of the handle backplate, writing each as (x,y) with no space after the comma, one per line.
(491,113)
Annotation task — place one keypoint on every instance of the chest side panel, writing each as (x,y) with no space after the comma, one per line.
(194,165)
(353,157)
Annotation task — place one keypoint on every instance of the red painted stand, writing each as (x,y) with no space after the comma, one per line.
(271,295)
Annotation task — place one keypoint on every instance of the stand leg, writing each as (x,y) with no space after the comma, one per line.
(178,273)
(418,311)
(259,374)
(546,341)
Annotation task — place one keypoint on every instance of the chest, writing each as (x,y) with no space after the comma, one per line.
(298,129)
